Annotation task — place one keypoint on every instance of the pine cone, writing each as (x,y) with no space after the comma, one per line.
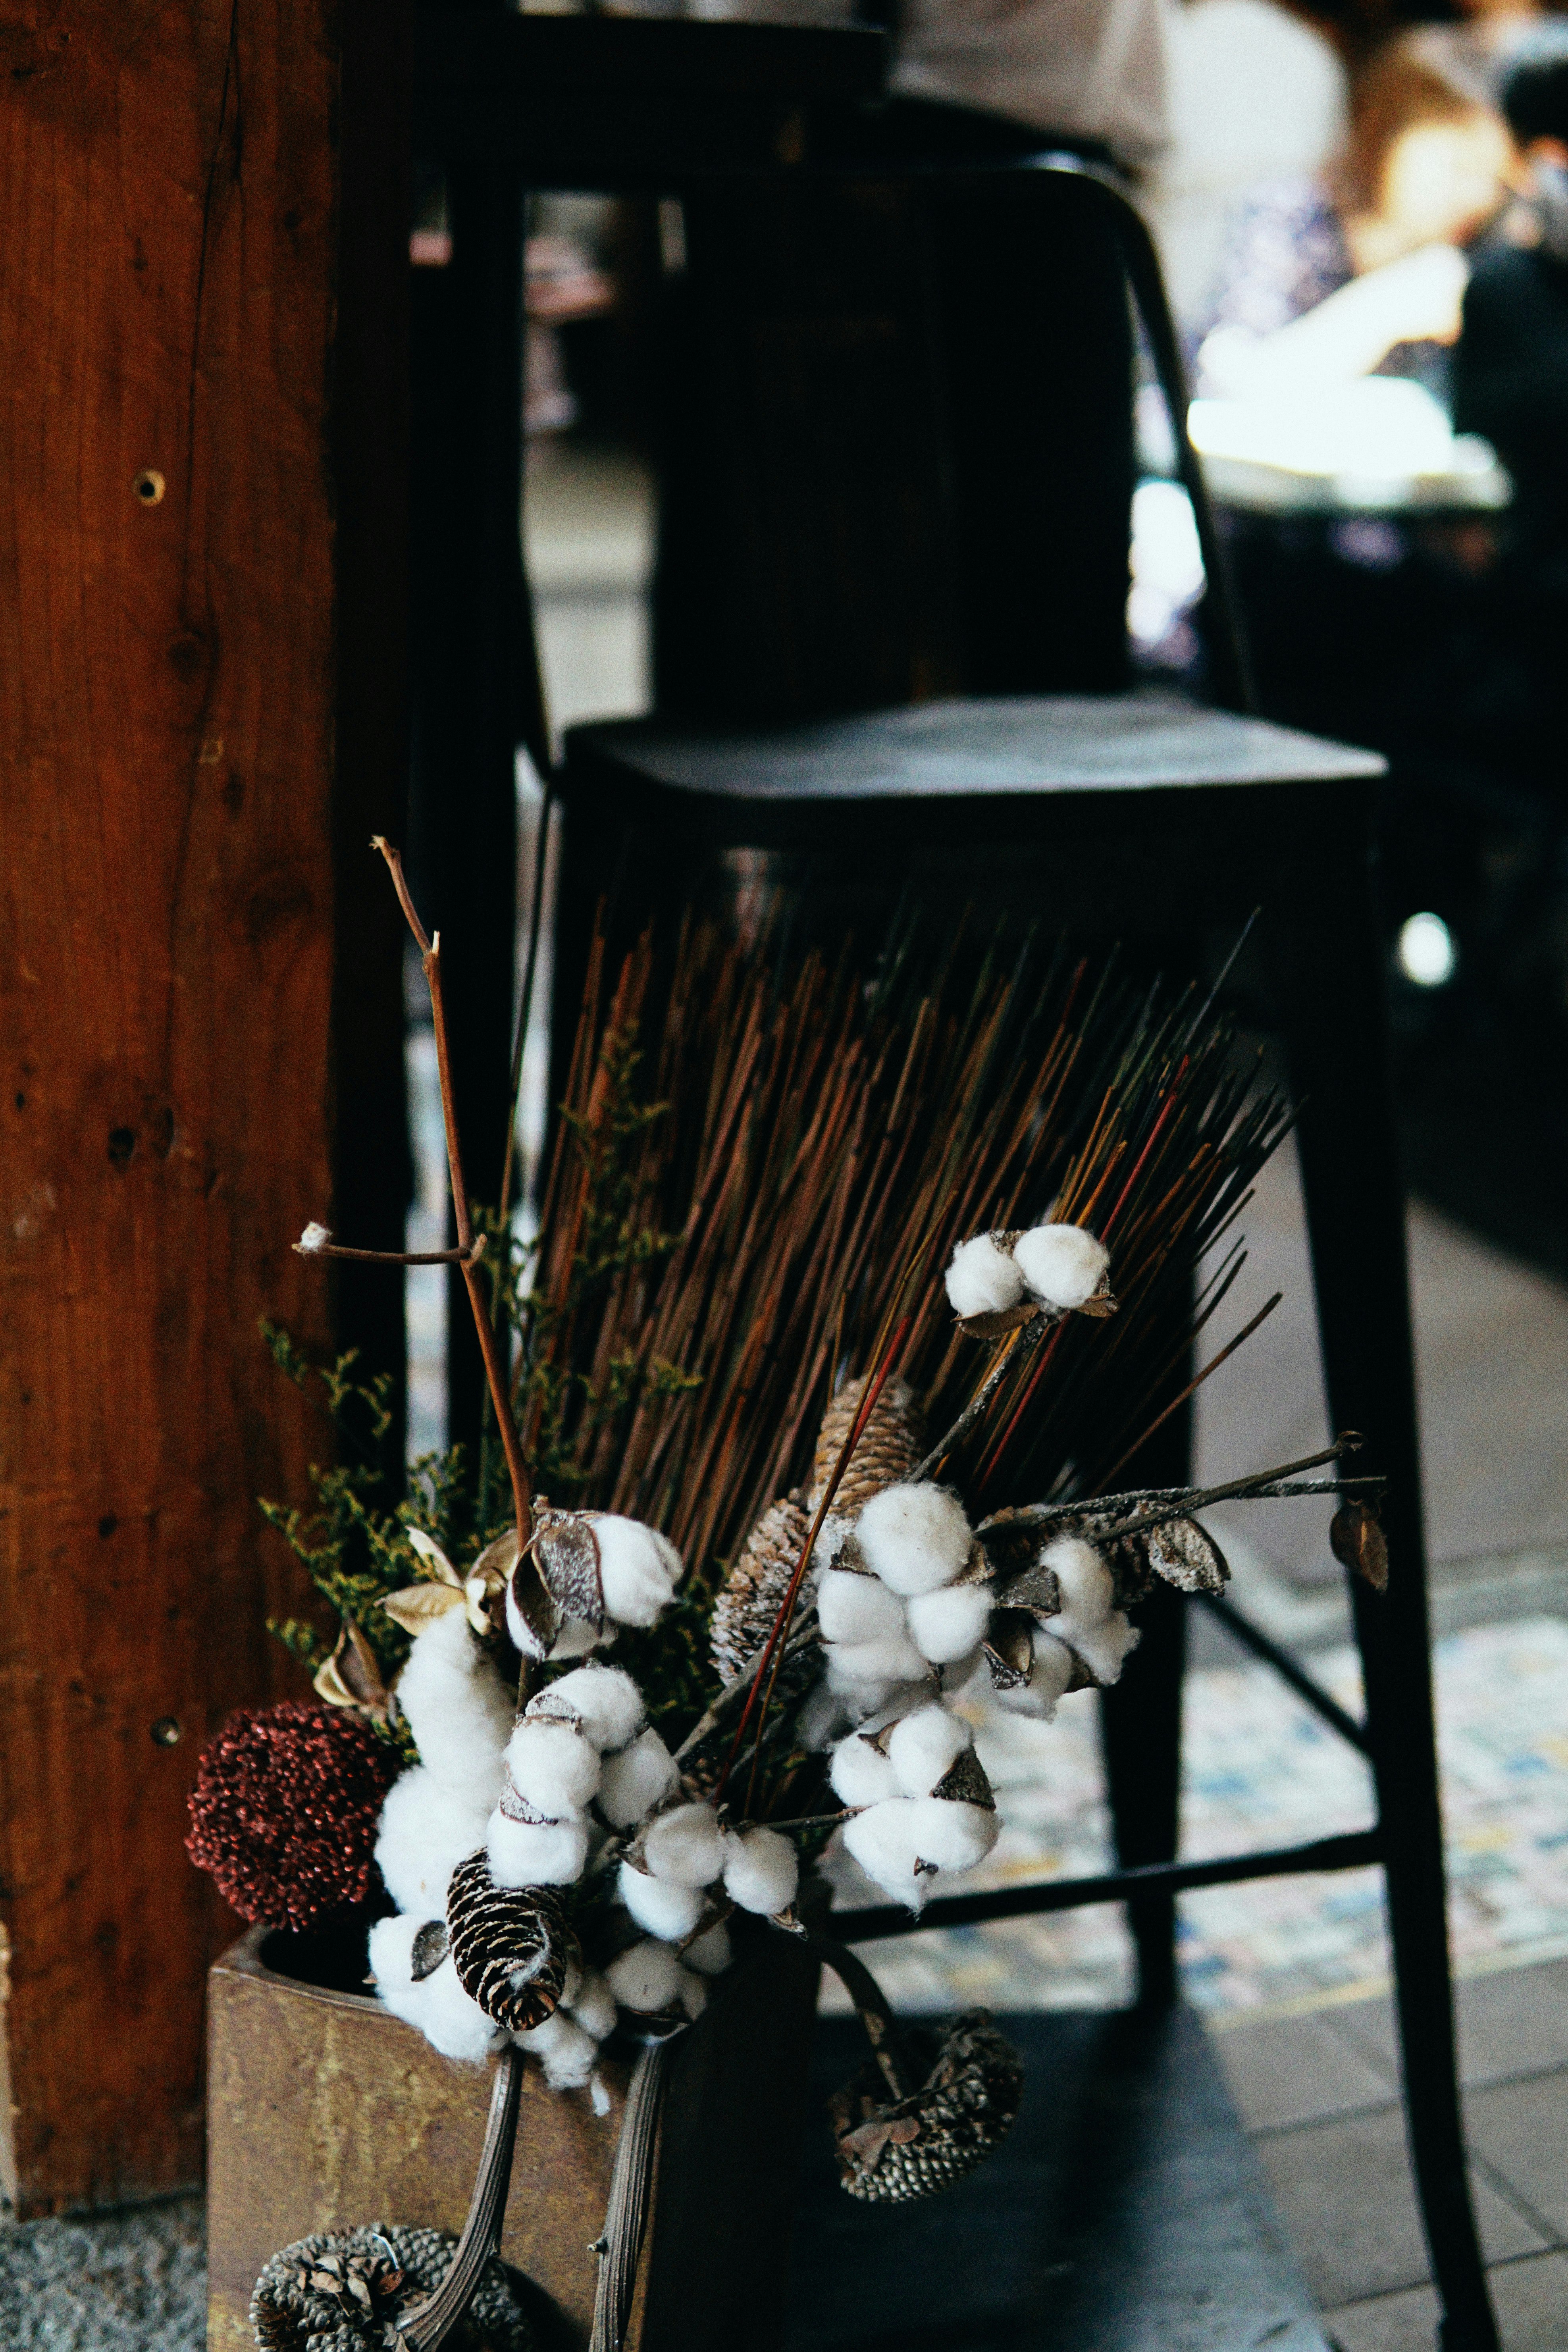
(892,1444)
(346,2294)
(511,1946)
(892,2151)
(753,1591)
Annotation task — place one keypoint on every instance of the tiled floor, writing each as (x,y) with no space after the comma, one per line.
(1317,2094)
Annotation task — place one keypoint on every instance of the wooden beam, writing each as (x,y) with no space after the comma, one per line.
(168,700)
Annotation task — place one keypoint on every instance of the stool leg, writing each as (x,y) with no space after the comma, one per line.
(1335,1018)
(1141,1739)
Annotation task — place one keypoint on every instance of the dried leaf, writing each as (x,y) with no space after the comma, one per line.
(1359,1543)
(1000,1321)
(567,1552)
(430,1552)
(418,1605)
(1101,1302)
(351,1677)
(1187,1556)
(868,2140)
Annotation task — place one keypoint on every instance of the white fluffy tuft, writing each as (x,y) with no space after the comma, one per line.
(451,2021)
(882,1841)
(1106,1648)
(425,1831)
(686,1846)
(983,1279)
(568,2053)
(761,1871)
(1061,1264)
(633,1781)
(593,2006)
(638,1568)
(1087,1586)
(913,1537)
(553,1767)
(457,1705)
(947,1624)
(924,1747)
(890,1658)
(536,1854)
(954,1836)
(659,1907)
(605,1700)
(711,1954)
(647,1978)
(861,1773)
(391,1961)
(853,1608)
(1048,1679)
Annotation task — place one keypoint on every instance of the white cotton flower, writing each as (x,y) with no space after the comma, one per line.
(634,1779)
(883,1841)
(1061,1264)
(594,2005)
(638,1568)
(1106,1648)
(425,1831)
(924,1747)
(953,1834)
(853,1608)
(605,1699)
(947,1624)
(686,1846)
(1086,1587)
(914,1538)
(646,1978)
(314,1239)
(761,1871)
(457,1706)
(861,1774)
(983,1279)
(452,2022)
(711,1954)
(659,1907)
(553,1767)
(536,1854)
(391,1961)
(567,2054)
(890,1658)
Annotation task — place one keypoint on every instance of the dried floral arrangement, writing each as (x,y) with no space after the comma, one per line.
(851,1297)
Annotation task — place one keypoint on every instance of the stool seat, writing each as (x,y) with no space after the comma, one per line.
(964,749)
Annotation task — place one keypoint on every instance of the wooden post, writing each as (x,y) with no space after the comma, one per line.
(185,574)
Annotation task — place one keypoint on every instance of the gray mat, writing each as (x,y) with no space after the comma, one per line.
(130,2282)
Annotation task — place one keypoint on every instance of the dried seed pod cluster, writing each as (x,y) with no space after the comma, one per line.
(892,2150)
(347,2292)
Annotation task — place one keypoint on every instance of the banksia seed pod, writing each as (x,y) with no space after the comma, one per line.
(511,1946)
(892,1444)
(891,2151)
(349,2291)
(753,1591)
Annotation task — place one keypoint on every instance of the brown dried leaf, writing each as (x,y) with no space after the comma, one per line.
(1187,1556)
(1101,1302)
(418,1605)
(1000,1321)
(1359,1543)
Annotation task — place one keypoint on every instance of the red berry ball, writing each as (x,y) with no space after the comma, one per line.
(284,1809)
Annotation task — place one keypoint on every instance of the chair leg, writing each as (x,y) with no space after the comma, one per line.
(1335,1019)
(1141,1741)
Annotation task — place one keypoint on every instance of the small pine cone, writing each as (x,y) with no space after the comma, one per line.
(511,1946)
(892,1444)
(753,1591)
(348,2293)
(892,2151)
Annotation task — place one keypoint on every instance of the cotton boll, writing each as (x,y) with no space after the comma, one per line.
(686,1846)
(457,1706)
(536,1854)
(983,1279)
(638,1569)
(953,1835)
(425,1831)
(453,2023)
(693,1994)
(647,1978)
(1104,1651)
(948,1624)
(567,2053)
(553,1767)
(711,1954)
(761,1871)
(1061,1264)
(593,2006)
(632,1781)
(659,1907)
(1086,1587)
(923,1748)
(890,1658)
(853,1608)
(914,1538)
(883,1842)
(605,1700)
(861,1774)
(391,1965)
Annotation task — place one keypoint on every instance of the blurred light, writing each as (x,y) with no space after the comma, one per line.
(1167,562)
(1427,951)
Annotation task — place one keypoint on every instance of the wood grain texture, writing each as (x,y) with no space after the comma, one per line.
(167,688)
